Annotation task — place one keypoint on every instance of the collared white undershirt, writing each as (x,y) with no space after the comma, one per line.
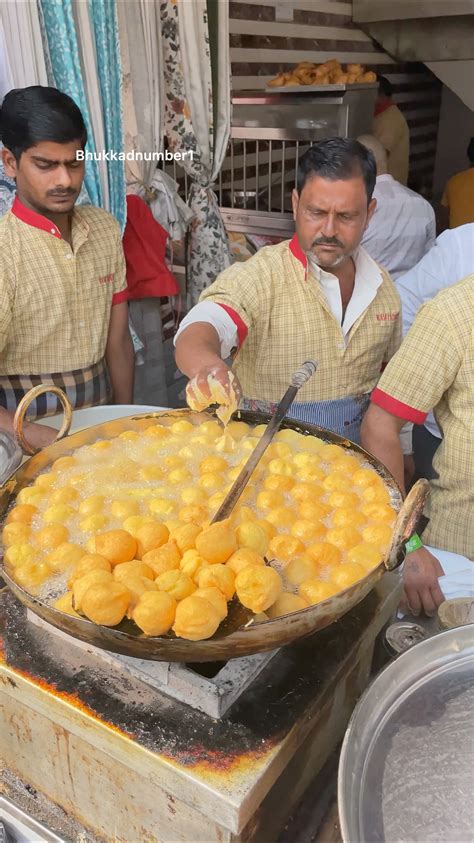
(368,279)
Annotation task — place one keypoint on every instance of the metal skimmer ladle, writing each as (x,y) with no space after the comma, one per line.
(298,379)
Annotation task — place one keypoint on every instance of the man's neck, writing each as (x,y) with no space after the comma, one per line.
(63,222)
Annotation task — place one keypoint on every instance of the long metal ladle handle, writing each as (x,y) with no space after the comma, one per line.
(298,379)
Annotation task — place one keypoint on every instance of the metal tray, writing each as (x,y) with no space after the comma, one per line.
(127,638)
(406,769)
(302,89)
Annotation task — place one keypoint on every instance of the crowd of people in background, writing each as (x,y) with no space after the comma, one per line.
(363,268)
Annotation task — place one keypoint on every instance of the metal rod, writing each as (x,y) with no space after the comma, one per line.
(220,187)
(185,186)
(245,173)
(297,155)
(283,146)
(270,143)
(232,174)
(257,151)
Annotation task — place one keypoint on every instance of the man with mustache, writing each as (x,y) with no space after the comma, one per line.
(316,296)
(63,296)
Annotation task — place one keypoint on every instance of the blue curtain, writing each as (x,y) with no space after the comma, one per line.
(63,51)
(104,23)
(65,60)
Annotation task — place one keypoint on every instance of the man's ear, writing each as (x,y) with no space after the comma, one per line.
(294,201)
(9,163)
(370,211)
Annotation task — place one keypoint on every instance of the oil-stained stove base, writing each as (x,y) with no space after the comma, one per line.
(213,695)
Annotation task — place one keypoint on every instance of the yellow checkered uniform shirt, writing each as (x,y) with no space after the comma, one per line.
(55,301)
(283,318)
(434,369)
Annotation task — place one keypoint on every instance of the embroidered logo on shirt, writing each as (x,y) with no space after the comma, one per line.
(106,279)
(386,317)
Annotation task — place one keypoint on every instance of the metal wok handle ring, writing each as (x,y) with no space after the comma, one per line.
(406,522)
(21,410)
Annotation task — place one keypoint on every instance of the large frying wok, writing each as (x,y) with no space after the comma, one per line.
(224,645)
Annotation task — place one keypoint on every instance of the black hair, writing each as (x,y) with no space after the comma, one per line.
(338,158)
(385,87)
(470,151)
(29,116)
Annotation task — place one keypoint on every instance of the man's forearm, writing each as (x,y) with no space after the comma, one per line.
(380,436)
(121,366)
(38,435)
(197,347)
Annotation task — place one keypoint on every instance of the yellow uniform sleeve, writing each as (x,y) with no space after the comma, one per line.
(6,296)
(120,274)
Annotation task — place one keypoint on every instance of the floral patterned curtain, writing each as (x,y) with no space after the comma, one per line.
(197,118)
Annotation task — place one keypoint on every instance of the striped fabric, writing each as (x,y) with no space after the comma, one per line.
(84,387)
(343,416)
(434,370)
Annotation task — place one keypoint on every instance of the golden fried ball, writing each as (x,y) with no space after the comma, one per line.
(278,450)
(31,575)
(32,495)
(23,513)
(344,537)
(346,464)
(16,533)
(270,500)
(378,534)
(278,483)
(122,509)
(90,562)
(258,587)
(217,542)
(135,522)
(179,476)
(151,472)
(136,568)
(65,495)
(324,554)
(162,507)
(193,513)
(106,603)
(149,537)
(213,464)
(65,555)
(313,510)
(101,445)
(193,495)
(379,512)
(343,499)
(93,523)
(335,483)
(211,481)
(46,481)
(269,528)
(367,555)
(281,517)
(154,612)
(192,564)
(285,604)
(285,547)
(238,429)
(308,531)
(129,435)
(116,545)
(304,492)
(164,558)
(18,554)
(252,535)
(52,536)
(330,453)
(299,570)
(310,474)
(81,585)
(315,591)
(376,493)
(306,459)
(136,586)
(182,426)
(278,466)
(92,505)
(346,516)
(196,619)
(364,477)
(64,604)
(157,431)
(243,557)
(215,597)
(64,463)
(291,437)
(217,576)
(345,575)
(185,536)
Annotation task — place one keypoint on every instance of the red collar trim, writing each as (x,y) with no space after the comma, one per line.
(382,106)
(297,251)
(34,219)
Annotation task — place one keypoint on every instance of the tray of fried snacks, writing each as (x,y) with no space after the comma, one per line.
(329,75)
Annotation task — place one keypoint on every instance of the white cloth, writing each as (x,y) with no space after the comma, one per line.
(6,76)
(168,208)
(402,229)
(24,43)
(450,260)
(368,279)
